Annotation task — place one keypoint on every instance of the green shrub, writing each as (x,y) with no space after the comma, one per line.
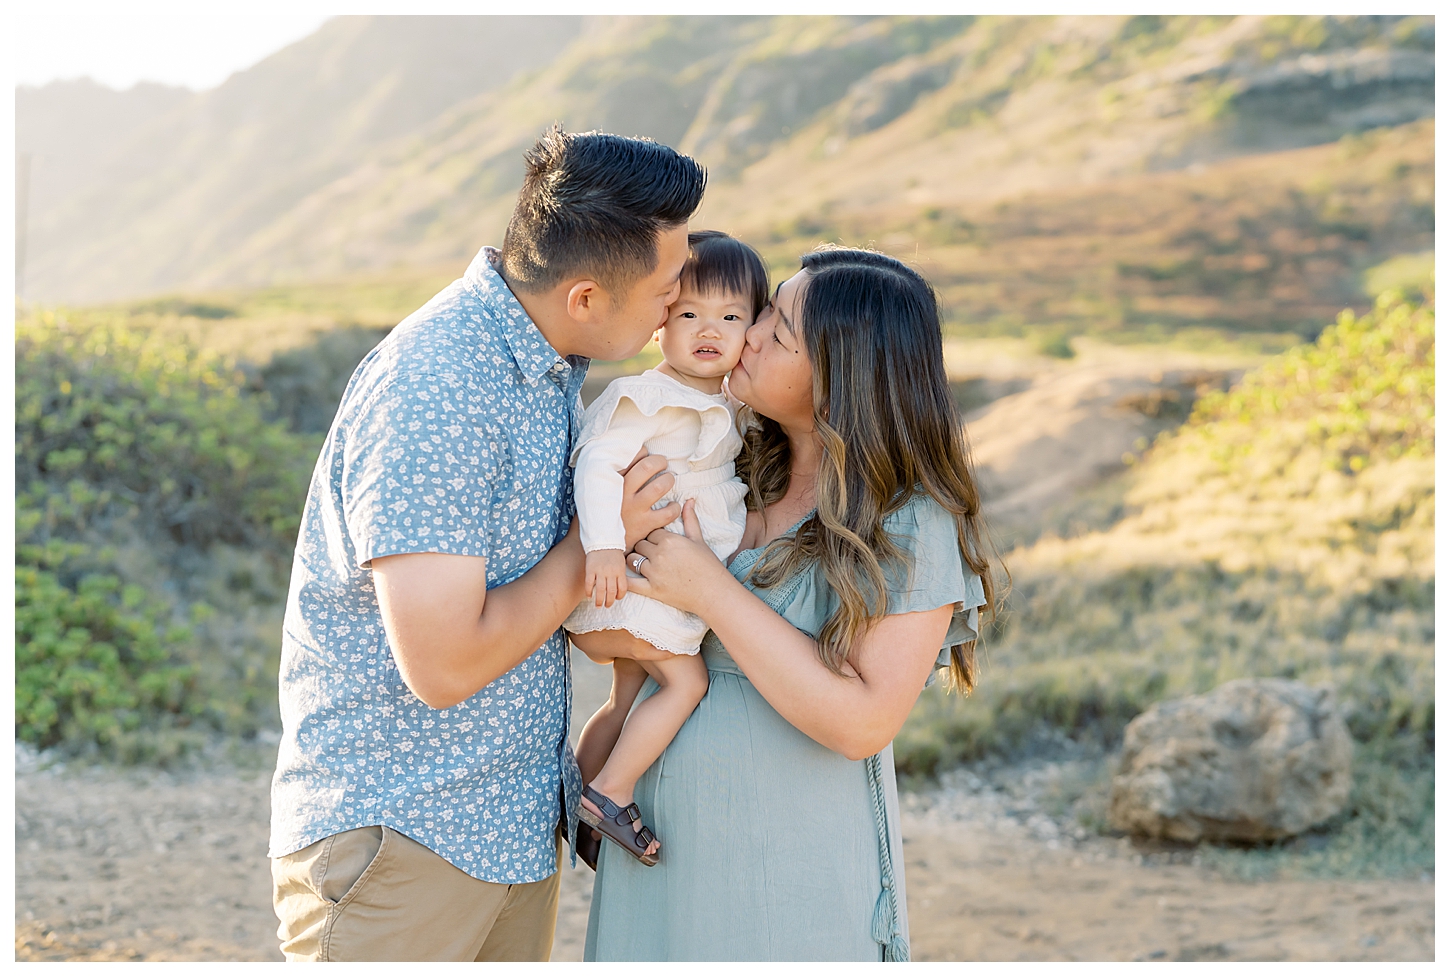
(139,463)
(94,662)
(1364,391)
(158,431)
(1055,344)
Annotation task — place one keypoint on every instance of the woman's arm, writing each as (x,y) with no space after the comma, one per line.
(854,715)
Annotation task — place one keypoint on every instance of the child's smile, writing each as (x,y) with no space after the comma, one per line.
(702,337)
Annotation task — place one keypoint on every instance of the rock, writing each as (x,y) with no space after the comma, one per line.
(1253,760)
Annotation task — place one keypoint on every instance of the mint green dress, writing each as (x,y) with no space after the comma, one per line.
(774,847)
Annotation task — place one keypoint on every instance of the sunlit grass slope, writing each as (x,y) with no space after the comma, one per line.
(1269,243)
(1286,530)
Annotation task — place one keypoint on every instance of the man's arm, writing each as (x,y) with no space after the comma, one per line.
(451,635)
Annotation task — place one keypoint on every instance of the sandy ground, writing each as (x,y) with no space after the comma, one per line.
(115,865)
(148,865)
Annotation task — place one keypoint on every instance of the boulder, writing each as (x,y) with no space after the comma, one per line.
(1253,760)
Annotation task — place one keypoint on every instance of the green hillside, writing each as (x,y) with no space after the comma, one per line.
(909,132)
(1264,243)
(1285,530)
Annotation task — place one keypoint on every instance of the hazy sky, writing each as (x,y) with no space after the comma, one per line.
(194,50)
(121,42)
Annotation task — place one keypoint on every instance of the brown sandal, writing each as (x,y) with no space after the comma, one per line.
(617,825)
(587,846)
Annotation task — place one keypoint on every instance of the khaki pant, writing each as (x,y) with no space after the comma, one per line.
(376,894)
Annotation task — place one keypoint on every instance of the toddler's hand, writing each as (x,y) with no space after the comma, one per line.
(604,578)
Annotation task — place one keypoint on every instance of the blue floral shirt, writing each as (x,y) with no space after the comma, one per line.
(453,436)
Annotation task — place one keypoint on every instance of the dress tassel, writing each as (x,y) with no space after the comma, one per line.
(882,919)
(884,928)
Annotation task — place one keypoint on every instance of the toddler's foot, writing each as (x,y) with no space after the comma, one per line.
(622,799)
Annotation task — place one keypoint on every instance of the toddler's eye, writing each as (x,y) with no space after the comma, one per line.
(687,315)
(732,317)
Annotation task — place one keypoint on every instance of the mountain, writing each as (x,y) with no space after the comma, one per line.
(936,138)
(69,128)
(176,190)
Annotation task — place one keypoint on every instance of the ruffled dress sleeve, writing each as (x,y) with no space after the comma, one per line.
(935,574)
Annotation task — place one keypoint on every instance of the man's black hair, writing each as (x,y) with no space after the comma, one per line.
(593,205)
(718,263)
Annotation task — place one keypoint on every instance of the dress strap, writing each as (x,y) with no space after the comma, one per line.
(886,921)
(779,596)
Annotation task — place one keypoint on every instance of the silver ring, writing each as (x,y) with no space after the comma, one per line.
(639,561)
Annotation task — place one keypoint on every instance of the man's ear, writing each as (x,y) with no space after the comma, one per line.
(587,301)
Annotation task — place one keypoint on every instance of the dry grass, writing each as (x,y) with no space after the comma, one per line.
(1269,244)
(1285,531)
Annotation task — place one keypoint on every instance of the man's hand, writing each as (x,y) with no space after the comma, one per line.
(604,578)
(641,491)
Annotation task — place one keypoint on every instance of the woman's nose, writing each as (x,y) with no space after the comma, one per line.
(754,336)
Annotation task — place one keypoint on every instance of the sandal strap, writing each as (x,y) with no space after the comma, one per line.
(610,809)
(643,837)
(619,815)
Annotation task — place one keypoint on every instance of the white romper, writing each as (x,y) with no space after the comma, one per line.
(696,432)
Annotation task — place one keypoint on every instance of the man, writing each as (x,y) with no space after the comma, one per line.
(425,775)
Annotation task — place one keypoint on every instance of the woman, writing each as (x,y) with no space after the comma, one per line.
(862,570)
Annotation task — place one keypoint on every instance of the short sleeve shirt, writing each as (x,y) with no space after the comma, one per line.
(453,436)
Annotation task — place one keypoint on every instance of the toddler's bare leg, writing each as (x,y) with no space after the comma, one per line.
(683,681)
(599,734)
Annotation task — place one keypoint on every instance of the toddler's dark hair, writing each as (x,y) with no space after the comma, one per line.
(719,263)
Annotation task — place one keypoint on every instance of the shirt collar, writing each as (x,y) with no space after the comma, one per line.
(533,354)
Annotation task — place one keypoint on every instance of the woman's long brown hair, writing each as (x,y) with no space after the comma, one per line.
(888,423)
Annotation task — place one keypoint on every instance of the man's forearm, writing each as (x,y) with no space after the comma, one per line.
(520,616)
(451,635)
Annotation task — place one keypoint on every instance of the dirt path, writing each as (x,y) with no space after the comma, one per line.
(991,877)
(142,865)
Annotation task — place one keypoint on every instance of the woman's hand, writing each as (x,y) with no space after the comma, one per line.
(680,570)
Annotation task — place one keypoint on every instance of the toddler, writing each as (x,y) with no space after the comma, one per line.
(677,410)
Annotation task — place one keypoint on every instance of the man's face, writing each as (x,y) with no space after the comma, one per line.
(634,316)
